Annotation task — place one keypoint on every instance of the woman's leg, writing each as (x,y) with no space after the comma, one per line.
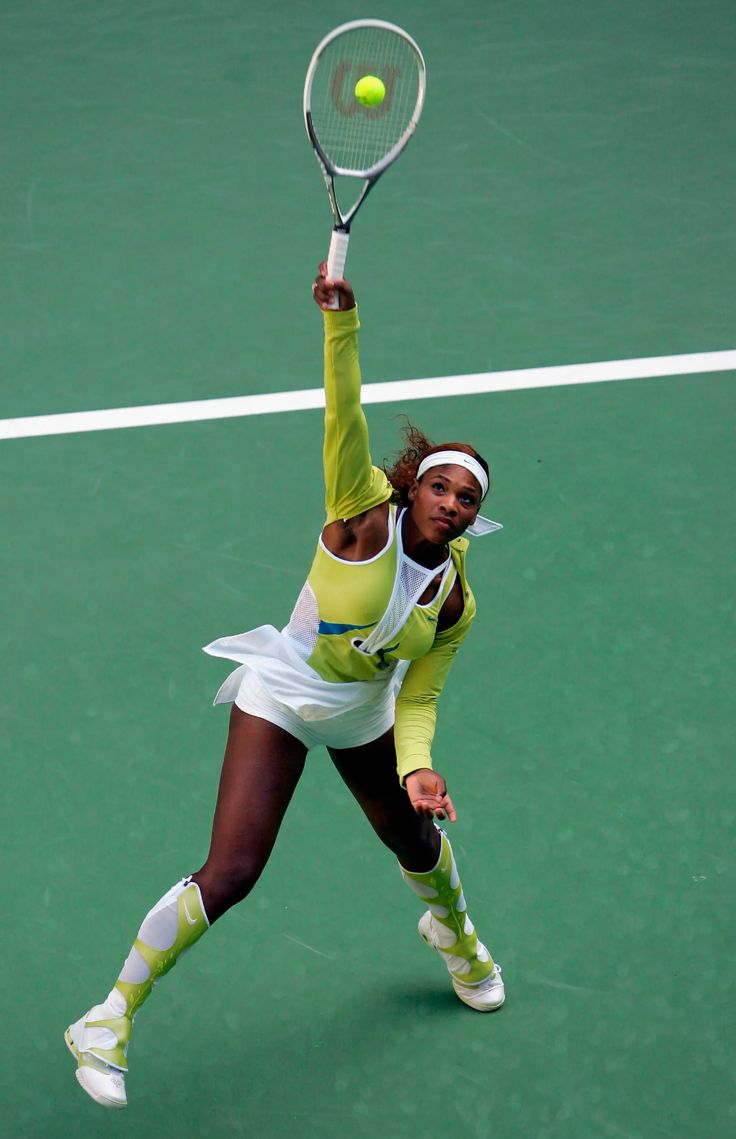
(369,772)
(261,769)
(427,865)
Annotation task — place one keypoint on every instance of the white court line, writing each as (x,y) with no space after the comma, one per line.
(393,391)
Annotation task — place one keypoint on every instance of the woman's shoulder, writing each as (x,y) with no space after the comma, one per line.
(459,545)
(458,551)
(361,537)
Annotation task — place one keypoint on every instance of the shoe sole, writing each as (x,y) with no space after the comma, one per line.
(467,1000)
(103,1101)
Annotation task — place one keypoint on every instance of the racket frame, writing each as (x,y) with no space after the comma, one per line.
(370,174)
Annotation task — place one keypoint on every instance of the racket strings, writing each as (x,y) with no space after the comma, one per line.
(356,138)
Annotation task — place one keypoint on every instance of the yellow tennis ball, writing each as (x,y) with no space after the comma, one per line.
(370,91)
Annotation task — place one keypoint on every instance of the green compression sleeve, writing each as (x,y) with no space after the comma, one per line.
(416,704)
(352,484)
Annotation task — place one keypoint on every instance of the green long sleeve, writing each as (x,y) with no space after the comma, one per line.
(416,703)
(352,483)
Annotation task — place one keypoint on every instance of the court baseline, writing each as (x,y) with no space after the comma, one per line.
(390,391)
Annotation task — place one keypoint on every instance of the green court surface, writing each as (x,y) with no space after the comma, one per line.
(568,198)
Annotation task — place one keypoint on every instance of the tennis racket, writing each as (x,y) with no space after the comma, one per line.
(351,139)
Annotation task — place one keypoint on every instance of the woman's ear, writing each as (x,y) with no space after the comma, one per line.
(413,490)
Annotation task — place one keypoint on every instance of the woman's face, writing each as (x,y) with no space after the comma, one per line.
(444,502)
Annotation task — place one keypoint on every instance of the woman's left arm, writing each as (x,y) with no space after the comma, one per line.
(416,703)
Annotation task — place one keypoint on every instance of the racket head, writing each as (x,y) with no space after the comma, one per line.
(349,138)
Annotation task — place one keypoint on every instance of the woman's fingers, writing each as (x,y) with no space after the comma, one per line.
(437,806)
(428,794)
(324,289)
(450,809)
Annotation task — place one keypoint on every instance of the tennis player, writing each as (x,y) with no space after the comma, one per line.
(358,669)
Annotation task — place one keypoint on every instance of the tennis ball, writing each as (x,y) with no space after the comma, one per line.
(370,91)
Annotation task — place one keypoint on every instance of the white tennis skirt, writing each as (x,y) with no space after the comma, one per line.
(276,684)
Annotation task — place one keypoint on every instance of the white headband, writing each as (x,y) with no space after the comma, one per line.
(462,459)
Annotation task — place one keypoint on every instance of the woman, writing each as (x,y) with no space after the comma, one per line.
(358,668)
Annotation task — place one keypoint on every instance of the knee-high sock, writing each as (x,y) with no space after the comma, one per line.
(466,957)
(168,930)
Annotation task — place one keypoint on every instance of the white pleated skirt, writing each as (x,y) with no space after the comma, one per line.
(276,684)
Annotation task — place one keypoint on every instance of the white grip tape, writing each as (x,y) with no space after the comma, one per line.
(336,259)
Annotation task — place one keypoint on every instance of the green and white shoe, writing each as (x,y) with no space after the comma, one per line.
(485,995)
(99,1043)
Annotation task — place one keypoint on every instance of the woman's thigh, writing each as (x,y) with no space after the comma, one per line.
(369,771)
(260,771)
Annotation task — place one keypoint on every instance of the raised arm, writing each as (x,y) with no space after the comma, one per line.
(352,484)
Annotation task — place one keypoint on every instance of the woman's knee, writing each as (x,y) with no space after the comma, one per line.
(413,839)
(223,885)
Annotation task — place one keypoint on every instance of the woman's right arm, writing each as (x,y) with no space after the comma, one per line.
(352,484)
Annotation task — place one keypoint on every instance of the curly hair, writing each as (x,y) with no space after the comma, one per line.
(403,471)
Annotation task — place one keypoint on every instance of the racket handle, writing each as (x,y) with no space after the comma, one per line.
(336,259)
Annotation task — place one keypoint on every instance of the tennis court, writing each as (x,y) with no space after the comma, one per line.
(568,199)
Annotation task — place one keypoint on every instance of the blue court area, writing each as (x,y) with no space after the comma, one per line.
(568,198)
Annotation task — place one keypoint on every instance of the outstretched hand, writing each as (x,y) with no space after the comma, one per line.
(323,290)
(427,791)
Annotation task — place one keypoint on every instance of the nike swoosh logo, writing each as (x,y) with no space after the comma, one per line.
(190,919)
